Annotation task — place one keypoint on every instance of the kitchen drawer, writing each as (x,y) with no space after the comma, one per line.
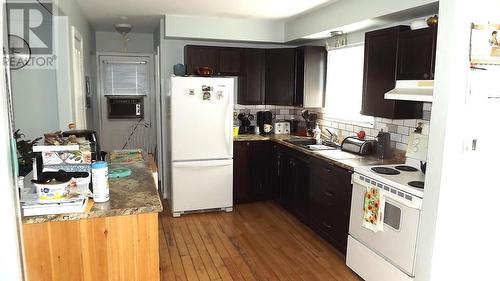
(330,225)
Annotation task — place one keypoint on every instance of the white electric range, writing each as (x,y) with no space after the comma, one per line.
(388,254)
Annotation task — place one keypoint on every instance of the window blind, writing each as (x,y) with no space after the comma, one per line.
(126,78)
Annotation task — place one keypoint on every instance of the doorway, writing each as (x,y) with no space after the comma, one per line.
(127,77)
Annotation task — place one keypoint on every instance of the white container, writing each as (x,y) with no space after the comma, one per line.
(51,192)
(317,134)
(100,181)
(418,24)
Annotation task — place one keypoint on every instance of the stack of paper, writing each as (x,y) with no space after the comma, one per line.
(31,206)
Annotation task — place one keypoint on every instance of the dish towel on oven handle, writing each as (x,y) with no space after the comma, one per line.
(373,207)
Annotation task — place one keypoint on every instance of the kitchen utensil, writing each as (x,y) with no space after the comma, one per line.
(305,114)
(204,71)
(267,128)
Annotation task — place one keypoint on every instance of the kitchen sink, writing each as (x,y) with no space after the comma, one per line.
(310,144)
(301,141)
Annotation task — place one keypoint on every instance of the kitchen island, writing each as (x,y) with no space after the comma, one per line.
(115,240)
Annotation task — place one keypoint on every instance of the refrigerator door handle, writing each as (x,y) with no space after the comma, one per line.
(228,129)
(201,164)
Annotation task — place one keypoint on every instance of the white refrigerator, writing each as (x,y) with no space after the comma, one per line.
(201,143)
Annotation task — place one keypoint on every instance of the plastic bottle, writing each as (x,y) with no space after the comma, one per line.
(100,181)
(317,134)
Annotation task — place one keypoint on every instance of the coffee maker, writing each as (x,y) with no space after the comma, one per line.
(263,118)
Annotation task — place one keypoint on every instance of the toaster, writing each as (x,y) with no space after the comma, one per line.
(281,128)
(358,146)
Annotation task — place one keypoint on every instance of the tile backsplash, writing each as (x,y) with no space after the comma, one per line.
(282,112)
(399,128)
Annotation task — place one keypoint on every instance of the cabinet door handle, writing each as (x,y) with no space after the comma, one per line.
(248,144)
(327,225)
(328,193)
(426,75)
(327,170)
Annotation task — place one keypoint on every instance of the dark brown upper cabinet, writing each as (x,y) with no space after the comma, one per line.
(284,76)
(416,55)
(230,61)
(251,83)
(380,67)
(280,76)
(311,76)
(195,56)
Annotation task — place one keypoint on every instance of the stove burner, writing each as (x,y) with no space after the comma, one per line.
(417,184)
(385,171)
(405,168)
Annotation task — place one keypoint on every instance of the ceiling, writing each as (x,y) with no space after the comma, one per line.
(144,15)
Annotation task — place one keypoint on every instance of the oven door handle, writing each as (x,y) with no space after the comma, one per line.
(398,199)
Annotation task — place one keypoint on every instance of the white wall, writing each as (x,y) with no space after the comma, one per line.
(38,105)
(459,229)
(76,18)
(114,133)
(110,42)
(224,28)
(342,13)
(35,101)
(10,241)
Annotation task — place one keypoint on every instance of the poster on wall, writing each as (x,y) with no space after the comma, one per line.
(485,44)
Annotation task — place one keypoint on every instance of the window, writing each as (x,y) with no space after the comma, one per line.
(123,78)
(344,85)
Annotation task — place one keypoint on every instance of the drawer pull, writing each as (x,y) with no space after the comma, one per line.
(326,170)
(325,224)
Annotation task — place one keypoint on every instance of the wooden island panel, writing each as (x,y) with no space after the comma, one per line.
(107,248)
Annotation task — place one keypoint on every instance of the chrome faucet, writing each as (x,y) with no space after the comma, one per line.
(333,136)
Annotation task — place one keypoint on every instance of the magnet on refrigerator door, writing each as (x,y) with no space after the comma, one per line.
(206,95)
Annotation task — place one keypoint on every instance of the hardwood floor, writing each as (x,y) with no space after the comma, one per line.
(257,241)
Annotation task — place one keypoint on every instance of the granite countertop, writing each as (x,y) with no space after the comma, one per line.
(132,195)
(346,163)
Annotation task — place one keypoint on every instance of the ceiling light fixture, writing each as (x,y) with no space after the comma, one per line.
(123,29)
(337,40)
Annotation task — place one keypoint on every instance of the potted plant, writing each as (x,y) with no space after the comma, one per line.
(25,152)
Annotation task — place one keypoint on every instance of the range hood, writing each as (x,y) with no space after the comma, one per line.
(412,90)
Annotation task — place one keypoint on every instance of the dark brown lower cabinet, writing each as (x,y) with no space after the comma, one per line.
(314,191)
(294,185)
(330,201)
(241,172)
(252,163)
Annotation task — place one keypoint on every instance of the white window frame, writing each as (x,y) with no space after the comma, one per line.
(358,120)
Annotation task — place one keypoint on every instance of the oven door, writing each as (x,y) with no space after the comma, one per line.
(398,240)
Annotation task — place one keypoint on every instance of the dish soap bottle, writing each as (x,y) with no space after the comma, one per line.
(317,134)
